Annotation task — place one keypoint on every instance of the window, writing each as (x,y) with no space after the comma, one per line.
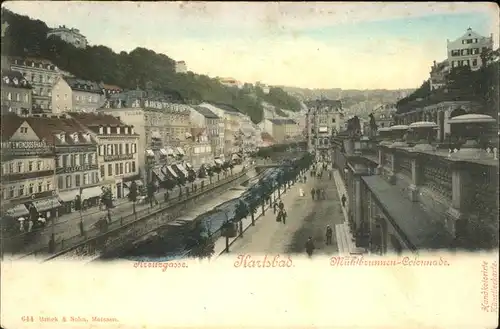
(30,166)
(116,149)
(102,171)
(120,148)
(121,168)
(127,148)
(20,167)
(11,167)
(77,180)
(117,169)
(110,169)
(48,186)
(133,166)
(18,97)
(60,182)
(85,179)
(12,192)
(77,98)
(21,190)
(9,96)
(40,187)
(68,181)
(474,62)
(31,188)
(127,167)
(26,98)
(65,162)
(109,149)
(39,165)
(65,96)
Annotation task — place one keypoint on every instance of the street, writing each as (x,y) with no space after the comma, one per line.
(305,218)
(67,227)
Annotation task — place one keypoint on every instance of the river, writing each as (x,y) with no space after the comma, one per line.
(171,244)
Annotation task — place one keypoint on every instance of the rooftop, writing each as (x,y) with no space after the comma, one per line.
(283,121)
(84,85)
(47,127)
(96,120)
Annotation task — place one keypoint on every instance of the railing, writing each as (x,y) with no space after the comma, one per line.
(437,177)
(130,218)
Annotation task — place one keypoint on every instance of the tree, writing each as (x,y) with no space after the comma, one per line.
(132,196)
(107,201)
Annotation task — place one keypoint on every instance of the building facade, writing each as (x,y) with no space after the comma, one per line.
(203,117)
(118,152)
(325,119)
(62,98)
(86,96)
(466,50)
(28,168)
(76,173)
(16,93)
(71,36)
(41,74)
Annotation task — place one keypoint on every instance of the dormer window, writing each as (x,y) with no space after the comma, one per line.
(118,130)
(108,130)
(62,137)
(131,130)
(101,130)
(125,130)
(6,79)
(40,65)
(33,64)
(16,82)
(87,137)
(75,137)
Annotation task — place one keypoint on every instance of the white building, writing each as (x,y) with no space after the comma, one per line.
(72,36)
(180,67)
(466,50)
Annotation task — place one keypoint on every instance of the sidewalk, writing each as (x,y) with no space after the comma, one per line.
(68,227)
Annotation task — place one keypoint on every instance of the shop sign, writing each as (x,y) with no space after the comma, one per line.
(26,148)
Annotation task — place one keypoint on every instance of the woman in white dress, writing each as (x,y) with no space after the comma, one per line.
(301,192)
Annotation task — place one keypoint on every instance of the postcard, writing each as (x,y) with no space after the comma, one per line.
(249,164)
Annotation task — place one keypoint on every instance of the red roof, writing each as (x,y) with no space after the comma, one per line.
(9,124)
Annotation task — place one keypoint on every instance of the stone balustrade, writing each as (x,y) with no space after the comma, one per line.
(456,191)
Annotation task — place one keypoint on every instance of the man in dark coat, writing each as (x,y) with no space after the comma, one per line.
(310,246)
(329,233)
(344,199)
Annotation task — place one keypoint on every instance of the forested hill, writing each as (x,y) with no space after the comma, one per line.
(26,37)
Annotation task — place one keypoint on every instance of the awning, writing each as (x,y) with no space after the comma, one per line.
(180,151)
(17,211)
(188,135)
(163,152)
(150,153)
(235,156)
(218,161)
(170,151)
(155,134)
(159,174)
(46,204)
(182,169)
(91,192)
(189,166)
(67,196)
(139,182)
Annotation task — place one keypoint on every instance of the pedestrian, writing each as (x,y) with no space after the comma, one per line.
(275,205)
(330,175)
(281,205)
(166,196)
(313,193)
(329,233)
(30,225)
(21,224)
(301,192)
(323,194)
(278,216)
(310,246)
(305,179)
(344,199)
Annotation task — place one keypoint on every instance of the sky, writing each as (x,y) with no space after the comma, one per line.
(365,45)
